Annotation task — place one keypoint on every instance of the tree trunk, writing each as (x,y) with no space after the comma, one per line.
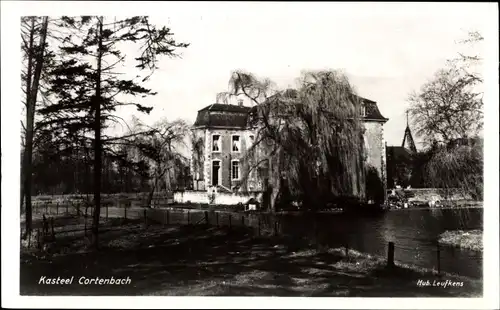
(31,97)
(97,142)
(151,193)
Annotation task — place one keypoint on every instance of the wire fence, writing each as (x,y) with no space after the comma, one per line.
(420,253)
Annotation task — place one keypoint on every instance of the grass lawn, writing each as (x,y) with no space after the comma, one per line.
(206,261)
(467,239)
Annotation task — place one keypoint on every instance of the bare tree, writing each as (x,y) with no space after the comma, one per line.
(34,53)
(447,113)
(160,146)
(449,107)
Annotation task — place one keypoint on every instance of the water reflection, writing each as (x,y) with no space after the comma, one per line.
(414,231)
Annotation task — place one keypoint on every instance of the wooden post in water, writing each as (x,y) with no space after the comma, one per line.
(125,210)
(390,255)
(438,259)
(46,208)
(57,208)
(188,217)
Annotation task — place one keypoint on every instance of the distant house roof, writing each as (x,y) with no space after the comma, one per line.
(397,153)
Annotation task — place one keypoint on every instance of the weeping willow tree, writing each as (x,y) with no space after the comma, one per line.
(309,139)
(458,167)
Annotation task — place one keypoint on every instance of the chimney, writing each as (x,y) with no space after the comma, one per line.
(240,102)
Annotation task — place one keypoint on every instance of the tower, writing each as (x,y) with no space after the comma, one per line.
(408,142)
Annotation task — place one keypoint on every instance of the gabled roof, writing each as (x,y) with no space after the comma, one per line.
(408,141)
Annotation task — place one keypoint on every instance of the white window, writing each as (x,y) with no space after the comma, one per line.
(235,170)
(236,143)
(216,147)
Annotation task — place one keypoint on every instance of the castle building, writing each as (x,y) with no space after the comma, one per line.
(222,135)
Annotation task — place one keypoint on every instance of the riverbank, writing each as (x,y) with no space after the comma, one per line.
(469,239)
(205,261)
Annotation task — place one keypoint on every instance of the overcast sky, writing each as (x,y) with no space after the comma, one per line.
(386,53)
(387,50)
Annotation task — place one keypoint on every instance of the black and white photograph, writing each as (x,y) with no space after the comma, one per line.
(250,149)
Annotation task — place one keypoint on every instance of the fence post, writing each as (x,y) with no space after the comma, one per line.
(438,259)
(38,239)
(46,207)
(57,208)
(125,209)
(52,227)
(390,255)
(206,217)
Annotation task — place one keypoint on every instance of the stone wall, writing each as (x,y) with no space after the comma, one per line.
(437,194)
(203,197)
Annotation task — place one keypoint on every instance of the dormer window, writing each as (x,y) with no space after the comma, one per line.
(236,145)
(363,110)
(216,147)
